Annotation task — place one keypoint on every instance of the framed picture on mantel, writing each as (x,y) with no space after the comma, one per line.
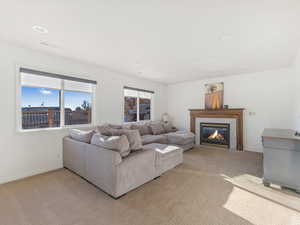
(214,94)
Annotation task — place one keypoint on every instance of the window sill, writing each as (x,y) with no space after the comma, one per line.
(140,121)
(55,128)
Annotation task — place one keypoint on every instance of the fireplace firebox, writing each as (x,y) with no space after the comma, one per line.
(215,134)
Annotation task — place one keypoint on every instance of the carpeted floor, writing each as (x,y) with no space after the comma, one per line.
(211,187)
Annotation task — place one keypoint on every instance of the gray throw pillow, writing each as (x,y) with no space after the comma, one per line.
(144,129)
(157,128)
(133,136)
(115,143)
(80,135)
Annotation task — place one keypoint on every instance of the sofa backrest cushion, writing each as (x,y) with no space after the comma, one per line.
(168,127)
(157,128)
(144,129)
(115,126)
(105,129)
(115,143)
(110,129)
(81,135)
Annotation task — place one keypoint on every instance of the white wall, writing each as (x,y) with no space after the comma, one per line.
(269,94)
(25,154)
(297,94)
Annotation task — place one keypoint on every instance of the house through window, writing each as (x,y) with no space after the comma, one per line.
(137,104)
(52,100)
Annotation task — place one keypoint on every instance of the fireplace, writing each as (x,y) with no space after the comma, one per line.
(215,134)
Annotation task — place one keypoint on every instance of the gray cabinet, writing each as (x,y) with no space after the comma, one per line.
(281,158)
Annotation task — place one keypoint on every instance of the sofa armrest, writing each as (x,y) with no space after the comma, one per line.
(74,155)
(101,167)
(106,154)
(135,170)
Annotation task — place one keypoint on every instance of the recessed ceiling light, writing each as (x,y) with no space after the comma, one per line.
(40,29)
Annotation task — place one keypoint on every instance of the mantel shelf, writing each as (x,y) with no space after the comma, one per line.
(217,110)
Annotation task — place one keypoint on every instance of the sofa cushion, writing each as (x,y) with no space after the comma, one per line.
(109,129)
(168,127)
(157,128)
(133,137)
(126,126)
(148,139)
(115,143)
(114,126)
(80,135)
(135,170)
(144,129)
(167,156)
(105,129)
(180,137)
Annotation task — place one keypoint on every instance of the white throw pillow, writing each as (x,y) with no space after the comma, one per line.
(115,143)
(81,135)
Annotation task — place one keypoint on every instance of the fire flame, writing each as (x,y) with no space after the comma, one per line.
(216,135)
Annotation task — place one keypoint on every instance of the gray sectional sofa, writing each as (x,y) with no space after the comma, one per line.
(117,173)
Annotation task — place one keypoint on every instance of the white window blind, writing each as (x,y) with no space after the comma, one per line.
(130,93)
(33,80)
(70,85)
(145,95)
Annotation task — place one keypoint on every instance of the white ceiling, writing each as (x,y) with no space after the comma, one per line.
(167,41)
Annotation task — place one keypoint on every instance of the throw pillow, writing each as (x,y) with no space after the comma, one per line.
(80,135)
(115,143)
(133,136)
(157,128)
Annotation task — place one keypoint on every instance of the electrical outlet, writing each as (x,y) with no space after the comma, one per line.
(252,113)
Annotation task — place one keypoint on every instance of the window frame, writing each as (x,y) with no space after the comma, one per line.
(138,106)
(19,86)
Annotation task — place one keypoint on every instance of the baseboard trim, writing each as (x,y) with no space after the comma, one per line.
(253,148)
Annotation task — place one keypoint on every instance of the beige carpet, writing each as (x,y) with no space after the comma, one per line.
(211,187)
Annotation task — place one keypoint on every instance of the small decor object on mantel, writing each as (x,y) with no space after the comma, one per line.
(214,94)
(226,107)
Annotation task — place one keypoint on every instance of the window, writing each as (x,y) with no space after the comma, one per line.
(78,103)
(52,100)
(137,104)
(40,107)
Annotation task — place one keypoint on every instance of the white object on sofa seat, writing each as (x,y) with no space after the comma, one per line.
(167,156)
